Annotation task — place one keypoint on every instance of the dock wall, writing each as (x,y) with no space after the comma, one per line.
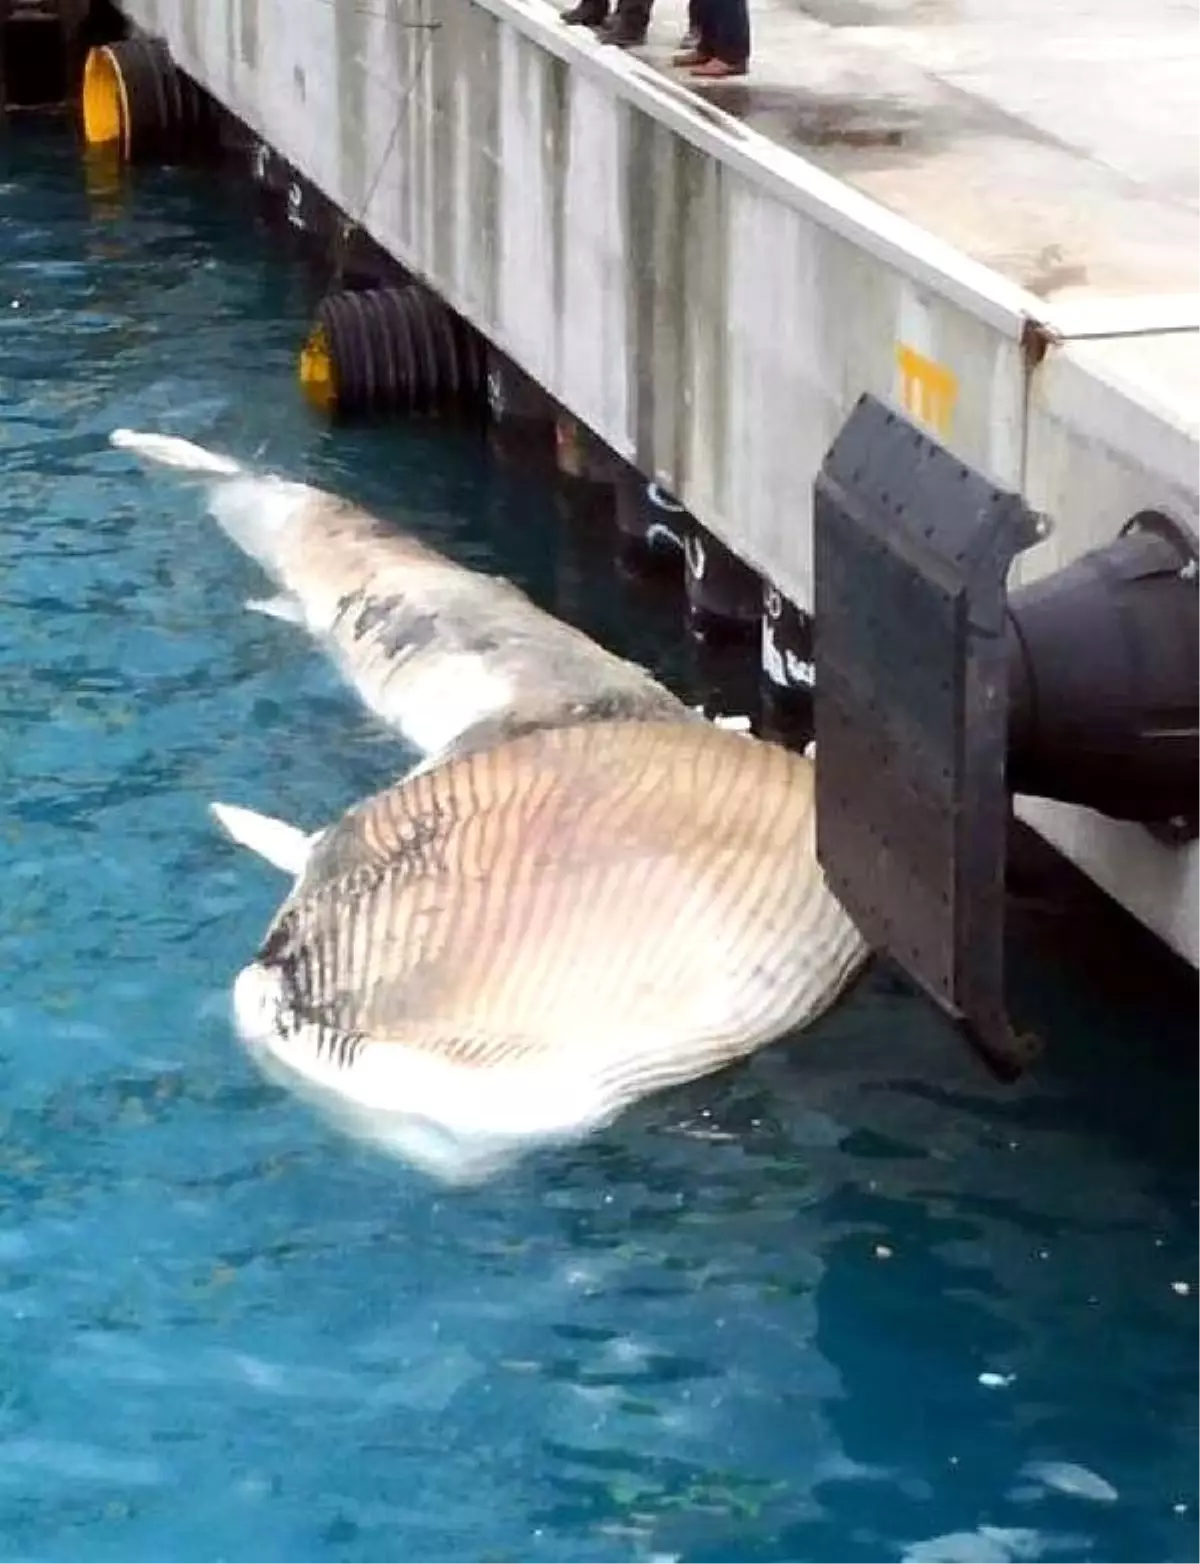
(708,302)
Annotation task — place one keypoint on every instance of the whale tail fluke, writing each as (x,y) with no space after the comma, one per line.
(173,451)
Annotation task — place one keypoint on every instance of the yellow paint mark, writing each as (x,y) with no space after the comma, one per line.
(105,103)
(318,377)
(928,390)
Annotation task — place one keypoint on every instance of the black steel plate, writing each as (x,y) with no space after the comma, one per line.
(911,556)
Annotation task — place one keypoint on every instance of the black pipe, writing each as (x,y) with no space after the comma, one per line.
(384,350)
(1104,680)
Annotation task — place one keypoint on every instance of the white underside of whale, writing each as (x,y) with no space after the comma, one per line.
(456,1122)
(457,1125)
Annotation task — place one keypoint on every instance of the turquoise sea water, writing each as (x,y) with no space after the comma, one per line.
(827,1306)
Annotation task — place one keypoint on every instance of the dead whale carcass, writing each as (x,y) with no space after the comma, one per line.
(514,945)
(444,654)
(582,895)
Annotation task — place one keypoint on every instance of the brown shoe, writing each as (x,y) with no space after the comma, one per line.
(688,59)
(717,70)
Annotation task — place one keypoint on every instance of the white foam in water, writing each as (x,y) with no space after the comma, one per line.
(1066,1477)
(629,1352)
(989,1545)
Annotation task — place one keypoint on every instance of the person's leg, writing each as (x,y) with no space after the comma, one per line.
(626,28)
(586,13)
(726,31)
(696,47)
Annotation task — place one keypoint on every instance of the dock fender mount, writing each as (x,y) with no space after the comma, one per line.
(911,554)
(651,524)
(135,99)
(376,351)
(1104,680)
(724,594)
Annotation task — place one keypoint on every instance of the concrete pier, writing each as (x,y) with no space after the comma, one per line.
(985,212)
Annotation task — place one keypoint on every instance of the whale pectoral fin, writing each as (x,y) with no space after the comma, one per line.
(283,845)
(282,606)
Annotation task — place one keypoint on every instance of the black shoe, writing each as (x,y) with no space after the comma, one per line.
(623,32)
(588,13)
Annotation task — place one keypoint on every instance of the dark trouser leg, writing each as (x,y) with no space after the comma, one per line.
(725,26)
(699,12)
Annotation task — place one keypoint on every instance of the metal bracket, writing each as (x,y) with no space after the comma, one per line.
(911,556)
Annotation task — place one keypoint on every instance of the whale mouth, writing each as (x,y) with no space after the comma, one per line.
(454,1147)
(257,999)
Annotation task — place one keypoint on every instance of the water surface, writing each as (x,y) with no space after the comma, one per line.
(826,1306)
